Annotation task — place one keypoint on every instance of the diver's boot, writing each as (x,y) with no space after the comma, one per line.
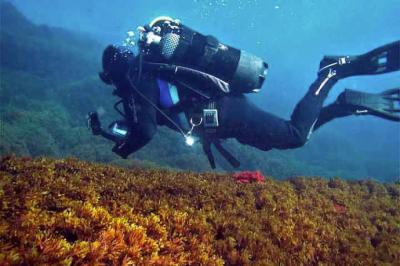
(385,104)
(378,61)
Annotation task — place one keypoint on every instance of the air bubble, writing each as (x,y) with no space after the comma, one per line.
(130,40)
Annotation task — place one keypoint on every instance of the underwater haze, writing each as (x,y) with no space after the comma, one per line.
(292,36)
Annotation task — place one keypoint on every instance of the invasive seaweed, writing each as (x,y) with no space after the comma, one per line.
(71,212)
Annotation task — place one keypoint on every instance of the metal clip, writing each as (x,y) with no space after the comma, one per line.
(193,124)
(188,136)
(344,60)
(210,118)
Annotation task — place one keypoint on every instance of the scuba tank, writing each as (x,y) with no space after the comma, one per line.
(165,40)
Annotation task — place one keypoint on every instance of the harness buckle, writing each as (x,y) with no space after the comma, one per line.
(210,117)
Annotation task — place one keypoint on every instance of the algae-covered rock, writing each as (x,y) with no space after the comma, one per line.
(74,213)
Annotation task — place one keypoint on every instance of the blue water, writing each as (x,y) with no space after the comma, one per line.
(292,36)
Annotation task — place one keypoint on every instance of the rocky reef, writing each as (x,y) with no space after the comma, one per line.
(70,212)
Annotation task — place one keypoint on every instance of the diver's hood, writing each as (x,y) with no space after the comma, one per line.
(115,61)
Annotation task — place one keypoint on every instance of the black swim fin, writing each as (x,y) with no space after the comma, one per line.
(385,104)
(378,61)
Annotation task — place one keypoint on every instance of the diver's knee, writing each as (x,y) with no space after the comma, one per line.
(297,136)
(293,142)
(299,139)
(300,142)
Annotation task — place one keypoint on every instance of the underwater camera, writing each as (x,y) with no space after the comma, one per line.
(167,40)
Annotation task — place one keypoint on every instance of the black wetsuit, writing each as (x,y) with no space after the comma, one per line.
(239,118)
(253,126)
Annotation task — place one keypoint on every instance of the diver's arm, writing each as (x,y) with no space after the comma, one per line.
(134,139)
(139,117)
(95,126)
(137,137)
(144,126)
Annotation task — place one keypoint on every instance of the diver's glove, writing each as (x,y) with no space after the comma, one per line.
(93,123)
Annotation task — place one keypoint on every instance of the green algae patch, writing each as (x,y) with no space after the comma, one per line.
(69,212)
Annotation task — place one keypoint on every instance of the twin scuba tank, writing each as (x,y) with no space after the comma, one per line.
(165,40)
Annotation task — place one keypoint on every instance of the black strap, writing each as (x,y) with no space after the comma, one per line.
(208,152)
(227,155)
(188,76)
(210,138)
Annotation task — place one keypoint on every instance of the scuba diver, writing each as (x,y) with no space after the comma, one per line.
(195,85)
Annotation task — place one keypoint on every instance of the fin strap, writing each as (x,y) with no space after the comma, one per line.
(208,152)
(227,155)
